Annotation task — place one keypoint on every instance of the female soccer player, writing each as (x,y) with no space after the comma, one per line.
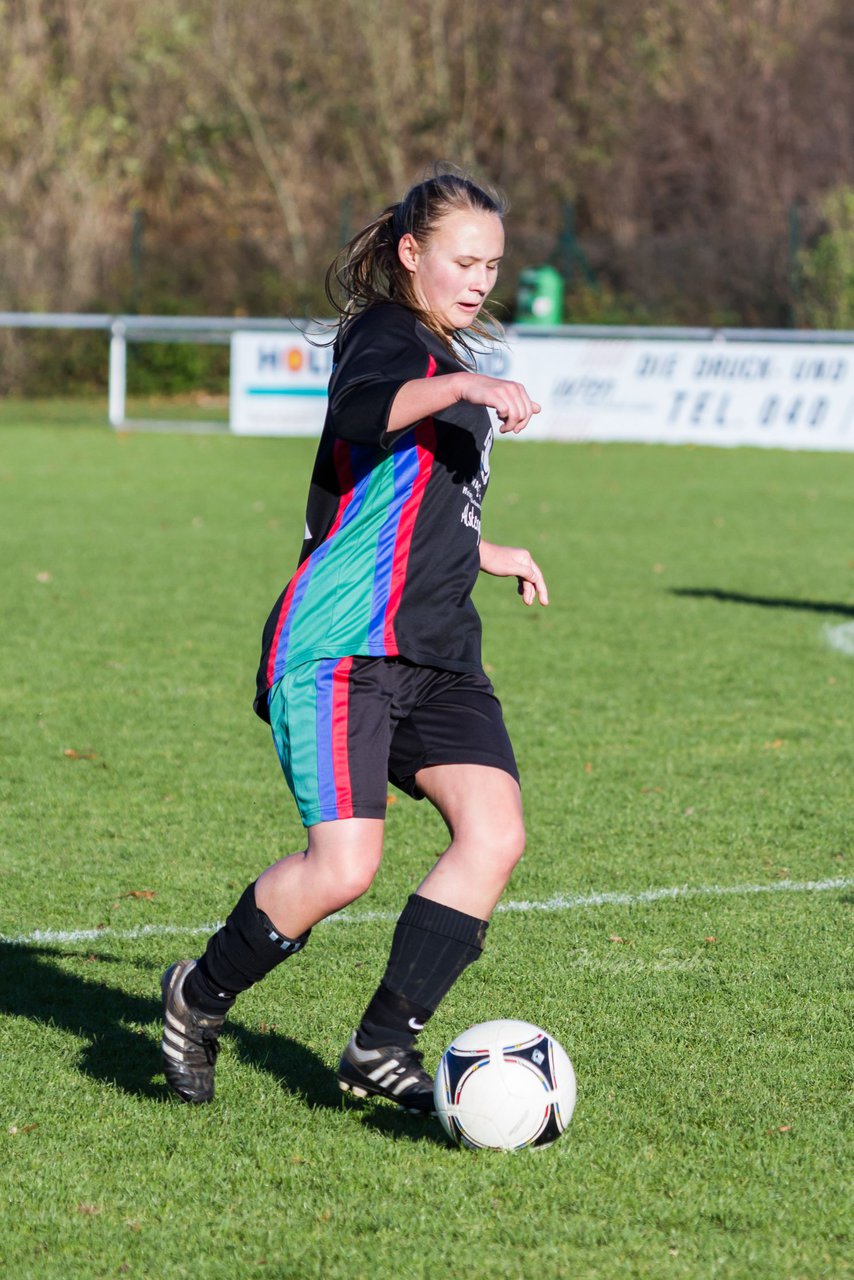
(371,667)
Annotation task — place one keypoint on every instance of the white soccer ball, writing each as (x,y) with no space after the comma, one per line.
(504,1085)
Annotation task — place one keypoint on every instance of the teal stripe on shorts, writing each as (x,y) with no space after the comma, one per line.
(293,720)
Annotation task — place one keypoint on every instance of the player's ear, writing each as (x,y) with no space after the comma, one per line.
(408,251)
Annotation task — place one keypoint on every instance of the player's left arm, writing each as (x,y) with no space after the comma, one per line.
(515,562)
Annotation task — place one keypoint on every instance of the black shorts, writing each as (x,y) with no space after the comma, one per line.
(346,727)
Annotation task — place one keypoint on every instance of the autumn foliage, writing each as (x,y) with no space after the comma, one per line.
(670,156)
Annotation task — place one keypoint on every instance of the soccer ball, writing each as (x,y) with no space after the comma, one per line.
(504,1085)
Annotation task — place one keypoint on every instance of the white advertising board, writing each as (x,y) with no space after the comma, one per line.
(785,395)
(791,395)
(278,383)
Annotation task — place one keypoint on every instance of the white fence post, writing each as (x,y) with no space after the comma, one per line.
(118,374)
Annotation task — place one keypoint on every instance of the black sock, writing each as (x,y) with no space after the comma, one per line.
(241,953)
(431,947)
(391,1019)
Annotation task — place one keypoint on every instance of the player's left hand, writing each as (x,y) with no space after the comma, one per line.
(515,562)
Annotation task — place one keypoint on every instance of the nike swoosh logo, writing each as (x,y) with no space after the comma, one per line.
(416,1026)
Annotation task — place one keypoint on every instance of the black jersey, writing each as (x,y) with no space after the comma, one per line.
(390,555)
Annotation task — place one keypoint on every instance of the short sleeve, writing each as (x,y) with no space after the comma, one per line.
(379,352)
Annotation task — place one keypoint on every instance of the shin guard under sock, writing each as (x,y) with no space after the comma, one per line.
(431,947)
(241,953)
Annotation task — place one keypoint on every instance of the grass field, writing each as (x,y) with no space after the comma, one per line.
(681,720)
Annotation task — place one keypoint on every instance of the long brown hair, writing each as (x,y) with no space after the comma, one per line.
(368,270)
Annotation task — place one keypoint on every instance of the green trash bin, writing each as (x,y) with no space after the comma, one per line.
(539,299)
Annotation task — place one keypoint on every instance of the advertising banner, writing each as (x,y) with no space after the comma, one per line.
(278,383)
(775,394)
(790,395)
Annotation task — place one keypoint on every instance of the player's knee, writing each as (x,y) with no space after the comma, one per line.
(507,844)
(351,878)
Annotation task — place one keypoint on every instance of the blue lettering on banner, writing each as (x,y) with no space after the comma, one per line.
(295,359)
(584,390)
(820,370)
(734,368)
(320,360)
(700,408)
(657,366)
(268,358)
(793,412)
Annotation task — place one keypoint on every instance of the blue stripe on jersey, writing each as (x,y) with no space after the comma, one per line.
(361,460)
(405,474)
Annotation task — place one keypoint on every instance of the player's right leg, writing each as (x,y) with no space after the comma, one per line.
(330,743)
(270,922)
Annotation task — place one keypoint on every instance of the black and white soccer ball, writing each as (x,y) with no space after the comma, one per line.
(504,1085)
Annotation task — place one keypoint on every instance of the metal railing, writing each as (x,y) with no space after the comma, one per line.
(122,329)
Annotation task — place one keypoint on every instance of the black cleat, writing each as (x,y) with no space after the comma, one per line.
(190,1041)
(390,1072)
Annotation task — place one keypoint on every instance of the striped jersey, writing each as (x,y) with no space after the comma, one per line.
(390,554)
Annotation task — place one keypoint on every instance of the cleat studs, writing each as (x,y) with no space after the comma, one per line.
(356,1090)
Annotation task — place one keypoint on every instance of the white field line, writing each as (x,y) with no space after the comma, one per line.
(841,638)
(568,902)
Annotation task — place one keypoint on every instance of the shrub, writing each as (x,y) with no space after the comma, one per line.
(827,269)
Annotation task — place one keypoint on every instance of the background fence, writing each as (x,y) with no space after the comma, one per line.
(779,388)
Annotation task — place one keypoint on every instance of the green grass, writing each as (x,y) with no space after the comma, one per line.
(679,720)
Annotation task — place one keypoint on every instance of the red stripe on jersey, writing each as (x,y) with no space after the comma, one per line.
(340,747)
(346,483)
(425,443)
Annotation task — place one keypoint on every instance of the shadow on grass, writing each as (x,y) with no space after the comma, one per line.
(114,1025)
(764,602)
(402,1126)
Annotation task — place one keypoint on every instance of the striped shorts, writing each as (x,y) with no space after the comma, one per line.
(346,727)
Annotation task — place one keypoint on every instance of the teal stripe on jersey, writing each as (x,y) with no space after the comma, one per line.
(334,613)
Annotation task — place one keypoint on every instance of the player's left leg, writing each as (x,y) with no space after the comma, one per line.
(482,808)
(451,747)
(443,926)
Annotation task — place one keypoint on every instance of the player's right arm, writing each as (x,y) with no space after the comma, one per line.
(422,397)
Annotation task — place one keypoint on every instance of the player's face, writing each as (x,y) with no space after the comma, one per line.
(455,271)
